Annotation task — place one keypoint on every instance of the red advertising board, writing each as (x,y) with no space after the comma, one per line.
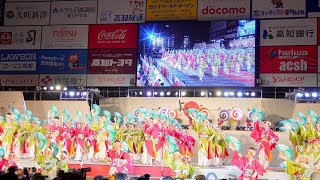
(288,59)
(112,61)
(113,36)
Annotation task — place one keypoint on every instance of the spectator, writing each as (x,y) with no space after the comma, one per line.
(20,173)
(121,176)
(71,176)
(37,176)
(11,174)
(147,176)
(167,178)
(99,178)
(200,177)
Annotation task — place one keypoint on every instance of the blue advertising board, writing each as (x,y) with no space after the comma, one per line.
(18,62)
(62,62)
(313,6)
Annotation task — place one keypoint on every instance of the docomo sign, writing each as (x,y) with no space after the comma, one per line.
(114,35)
(214,10)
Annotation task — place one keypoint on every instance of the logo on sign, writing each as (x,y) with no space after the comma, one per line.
(64,33)
(5,37)
(137,6)
(277,3)
(286,56)
(46,80)
(115,80)
(115,35)
(267,34)
(74,62)
(10,14)
(214,10)
(291,80)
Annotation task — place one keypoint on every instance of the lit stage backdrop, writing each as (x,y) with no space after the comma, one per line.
(216,53)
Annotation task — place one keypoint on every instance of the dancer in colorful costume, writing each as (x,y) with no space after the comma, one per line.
(265,137)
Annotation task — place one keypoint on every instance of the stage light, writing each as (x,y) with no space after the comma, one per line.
(58,87)
(183,93)
(246,93)
(306,94)
(231,93)
(168,93)
(65,88)
(203,93)
(51,88)
(161,93)
(210,94)
(155,93)
(239,94)
(45,88)
(140,93)
(71,93)
(176,93)
(218,93)
(226,93)
(253,94)
(78,93)
(299,95)
(314,94)
(148,93)
(84,94)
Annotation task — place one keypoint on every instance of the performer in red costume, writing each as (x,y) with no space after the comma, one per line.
(120,160)
(266,139)
(250,167)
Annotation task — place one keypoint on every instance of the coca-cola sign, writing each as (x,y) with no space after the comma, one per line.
(113,36)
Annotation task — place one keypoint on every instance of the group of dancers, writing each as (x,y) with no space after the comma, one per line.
(196,62)
(150,137)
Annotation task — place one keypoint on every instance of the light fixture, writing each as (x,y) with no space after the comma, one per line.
(239,94)
(219,93)
(161,93)
(140,92)
(148,93)
(306,94)
(168,93)
(58,87)
(45,88)
(51,88)
(231,93)
(84,93)
(226,93)
(71,93)
(65,88)
(176,94)
(246,93)
(155,93)
(299,95)
(203,93)
(314,94)
(253,94)
(183,93)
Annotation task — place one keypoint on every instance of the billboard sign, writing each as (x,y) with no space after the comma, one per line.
(124,11)
(63,79)
(16,61)
(62,61)
(19,80)
(73,12)
(288,32)
(223,9)
(65,37)
(110,79)
(289,80)
(27,13)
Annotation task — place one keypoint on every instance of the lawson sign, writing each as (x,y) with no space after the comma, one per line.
(43,61)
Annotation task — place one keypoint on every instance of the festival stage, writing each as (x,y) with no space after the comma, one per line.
(156,171)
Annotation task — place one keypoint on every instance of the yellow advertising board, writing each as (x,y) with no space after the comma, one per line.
(160,10)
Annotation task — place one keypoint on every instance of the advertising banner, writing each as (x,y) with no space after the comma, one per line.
(313,8)
(24,0)
(62,61)
(262,9)
(20,37)
(124,11)
(171,10)
(112,61)
(73,12)
(288,59)
(63,79)
(27,13)
(110,79)
(65,37)
(289,80)
(15,62)
(288,32)
(113,36)
(19,80)
(223,9)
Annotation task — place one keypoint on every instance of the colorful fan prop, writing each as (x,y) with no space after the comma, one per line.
(237,114)
(224,115)
(234,142)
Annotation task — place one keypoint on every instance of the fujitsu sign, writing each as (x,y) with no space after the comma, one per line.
(226,11)
(112,35)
